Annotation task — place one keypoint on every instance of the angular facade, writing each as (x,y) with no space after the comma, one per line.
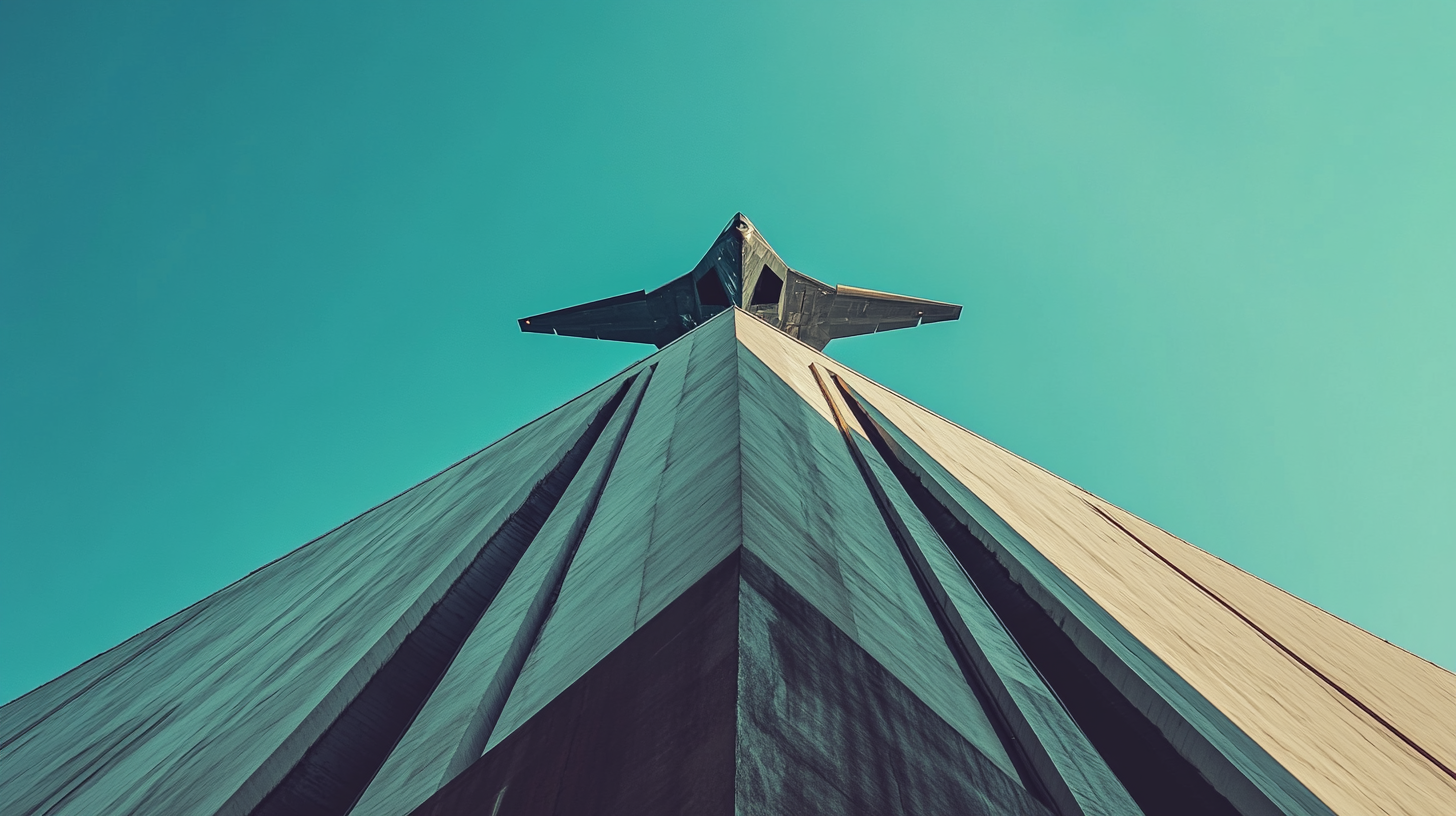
(740,578)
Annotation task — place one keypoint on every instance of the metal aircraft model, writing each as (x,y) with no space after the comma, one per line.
(742,270)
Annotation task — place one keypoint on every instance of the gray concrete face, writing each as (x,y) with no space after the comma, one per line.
(186,715)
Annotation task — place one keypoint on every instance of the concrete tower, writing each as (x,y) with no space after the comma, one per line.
(740,578)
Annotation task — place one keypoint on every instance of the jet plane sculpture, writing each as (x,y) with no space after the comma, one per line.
(742,270)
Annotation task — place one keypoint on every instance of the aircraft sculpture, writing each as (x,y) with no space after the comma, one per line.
(742,270)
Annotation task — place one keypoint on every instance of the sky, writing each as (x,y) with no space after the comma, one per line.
(260,263)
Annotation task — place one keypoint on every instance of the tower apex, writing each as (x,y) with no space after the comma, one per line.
(741,270)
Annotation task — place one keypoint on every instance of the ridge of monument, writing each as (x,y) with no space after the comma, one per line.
(739,578)
(741,269)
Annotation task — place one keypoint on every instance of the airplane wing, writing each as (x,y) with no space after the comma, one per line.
(845,311)
(624,317)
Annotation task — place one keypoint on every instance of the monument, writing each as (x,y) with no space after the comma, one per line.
(739,577)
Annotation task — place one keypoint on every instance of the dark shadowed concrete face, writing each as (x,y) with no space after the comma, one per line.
(738,698)
(742,270)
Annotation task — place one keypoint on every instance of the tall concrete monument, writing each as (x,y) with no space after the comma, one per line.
(741,578)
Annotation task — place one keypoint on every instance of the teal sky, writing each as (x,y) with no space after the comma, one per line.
(261,262)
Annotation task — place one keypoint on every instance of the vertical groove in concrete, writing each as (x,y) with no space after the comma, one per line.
(1070,784)
(334,771)
(477,734)
(1159,779)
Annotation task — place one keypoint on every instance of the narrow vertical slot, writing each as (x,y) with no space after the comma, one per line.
(334,771)
(477,733)
(1159,779)
(971,668)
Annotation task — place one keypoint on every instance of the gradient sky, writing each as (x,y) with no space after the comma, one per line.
(261,262)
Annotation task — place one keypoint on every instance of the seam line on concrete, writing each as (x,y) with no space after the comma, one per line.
(1276,643)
